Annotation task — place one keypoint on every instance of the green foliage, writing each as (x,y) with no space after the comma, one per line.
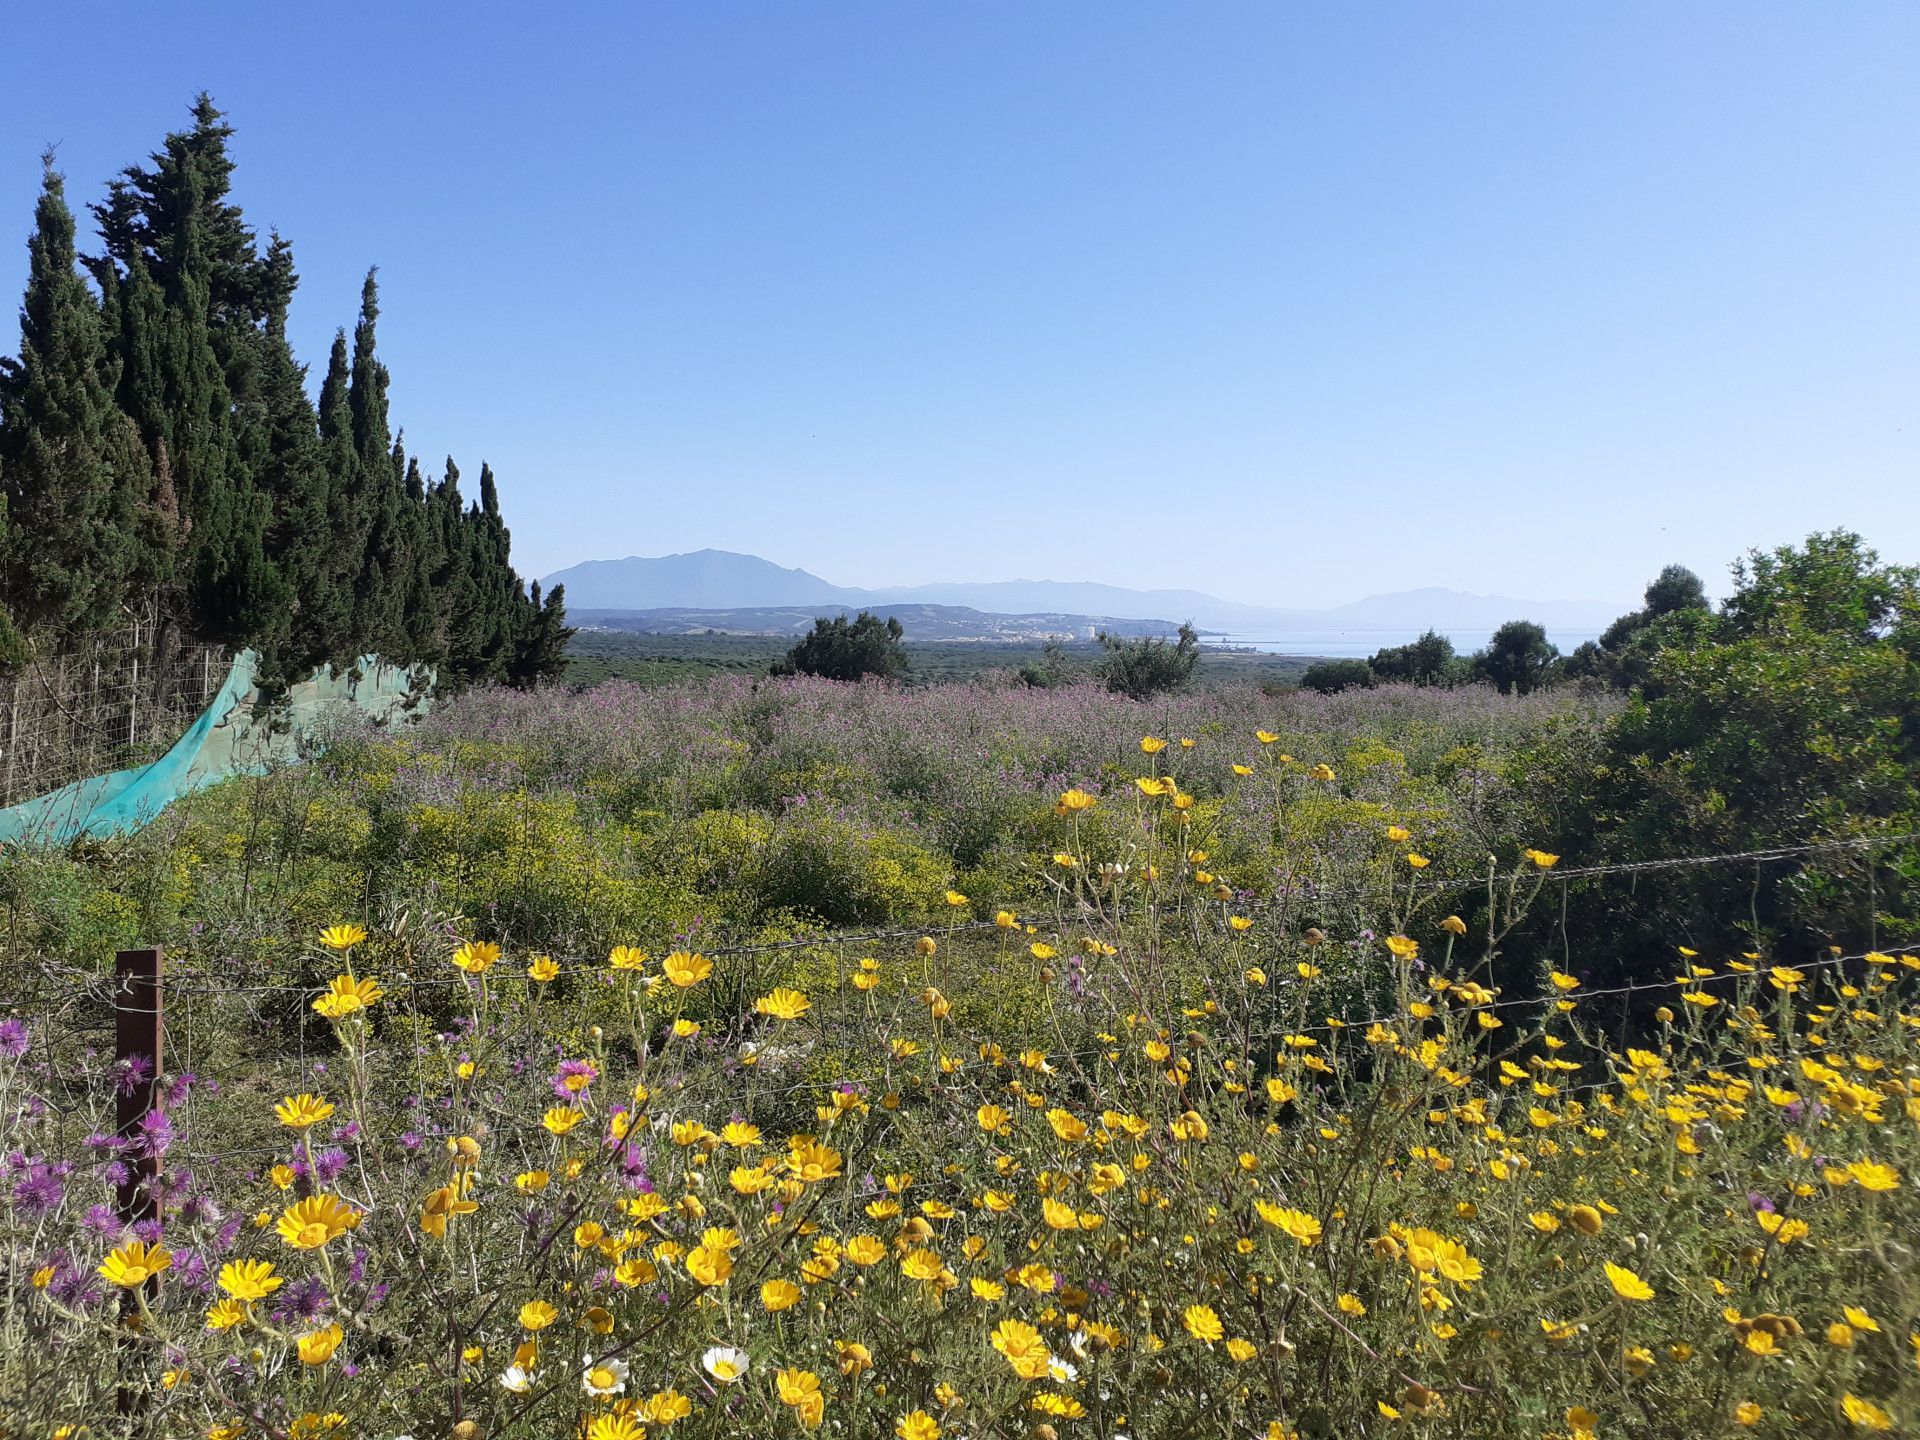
(73,474)
(842,873)
(1051,671)
(1675,612)
(1674,588)
(1798,713)
(540,655)
(651,658)
(1330,677)
(1145,666)
(1788,718)
(304,533)
(1426,661)
(837,650)
(1518,659)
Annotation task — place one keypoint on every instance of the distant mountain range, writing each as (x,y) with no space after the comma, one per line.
(723,580)
(921,623)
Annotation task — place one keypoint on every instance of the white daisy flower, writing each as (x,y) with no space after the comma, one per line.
(604,1377)
(725,1363)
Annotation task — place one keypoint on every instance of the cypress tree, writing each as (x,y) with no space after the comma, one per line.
(289,468)
(13,645)
(379,470)
(73,480)
(172,236)
(158,446)
(502,602)
(540,656)
(425,638)
(457,594)
(346,516)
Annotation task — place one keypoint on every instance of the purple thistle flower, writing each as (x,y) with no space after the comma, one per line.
(154,1137)
(76,1288)
(101,1220)
(13,1038)
(40,1192)
(190,1271)
(305,1300)
(132,1073)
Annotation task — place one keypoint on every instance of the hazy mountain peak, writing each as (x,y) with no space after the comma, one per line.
(722,579)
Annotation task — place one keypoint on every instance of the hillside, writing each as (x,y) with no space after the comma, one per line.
(723,579)
(956,623)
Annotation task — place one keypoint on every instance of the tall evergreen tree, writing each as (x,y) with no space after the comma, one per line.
(540,653)
(501,599)
(456,597)
(425,629)
(346,514)
(158,446)
(283,453)
(379,471)
(13,645)
(74,477)
(170,230)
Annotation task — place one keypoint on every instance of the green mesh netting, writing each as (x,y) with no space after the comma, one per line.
(229,738)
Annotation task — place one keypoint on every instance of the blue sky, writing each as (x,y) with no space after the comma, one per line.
(1289,302)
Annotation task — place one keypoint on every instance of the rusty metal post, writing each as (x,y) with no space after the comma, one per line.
(136,1039)
(139,1058)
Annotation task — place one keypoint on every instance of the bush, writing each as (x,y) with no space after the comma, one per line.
(845,874)
(1426,661)
(839,651)
(1147,665)
(1519,658)
(1330,677)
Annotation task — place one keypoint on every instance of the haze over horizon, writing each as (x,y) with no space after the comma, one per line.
(950,581)
(1290,305)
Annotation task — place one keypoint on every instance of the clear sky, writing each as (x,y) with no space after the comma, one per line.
(1290,302)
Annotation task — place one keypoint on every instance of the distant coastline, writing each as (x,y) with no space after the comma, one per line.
(1360,644)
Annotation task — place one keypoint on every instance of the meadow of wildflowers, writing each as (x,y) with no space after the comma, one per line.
(1222,1116)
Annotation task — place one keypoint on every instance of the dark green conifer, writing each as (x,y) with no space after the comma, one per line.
(73,479)
(162,454)
(191,288)
(540,655)
(282,450)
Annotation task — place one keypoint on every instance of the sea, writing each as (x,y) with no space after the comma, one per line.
(1359,644)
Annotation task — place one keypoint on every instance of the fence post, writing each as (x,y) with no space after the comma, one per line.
(136,1040)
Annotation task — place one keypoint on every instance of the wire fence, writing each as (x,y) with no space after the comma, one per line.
(166,1134)
(214,984)
(101,702)
(151,1015)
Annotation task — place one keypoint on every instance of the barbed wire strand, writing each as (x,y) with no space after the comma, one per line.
(183,982)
